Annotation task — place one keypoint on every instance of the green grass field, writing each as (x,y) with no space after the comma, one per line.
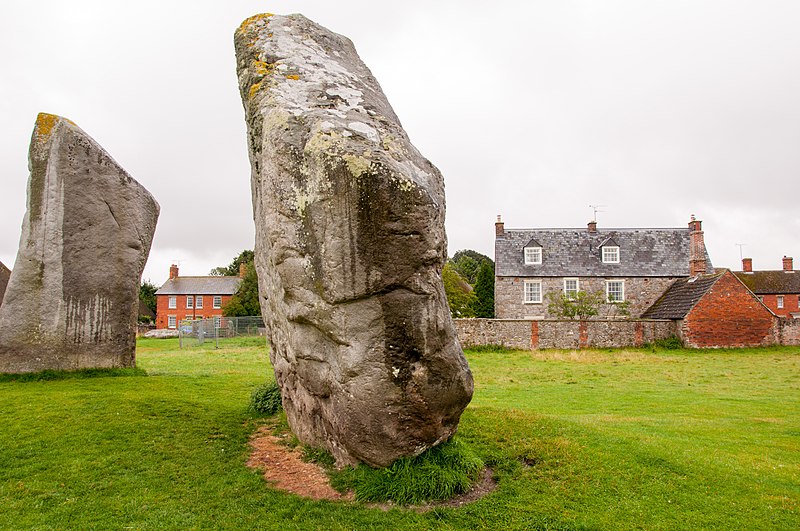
(671,439)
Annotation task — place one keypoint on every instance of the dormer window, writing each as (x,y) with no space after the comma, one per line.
(533,255)
(610,254)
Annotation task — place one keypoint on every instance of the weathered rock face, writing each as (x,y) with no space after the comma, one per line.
(72,298)
(350,244)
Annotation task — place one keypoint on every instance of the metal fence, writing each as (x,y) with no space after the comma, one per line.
(214,331)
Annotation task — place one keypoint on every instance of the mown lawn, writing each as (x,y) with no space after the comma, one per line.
(592,439)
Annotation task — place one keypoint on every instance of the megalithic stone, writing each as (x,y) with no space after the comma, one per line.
(72,298)
(350,245)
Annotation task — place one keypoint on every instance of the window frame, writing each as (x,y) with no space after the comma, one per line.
(189,302)
(608,292)
(533,260)
(198,302)
(779,302)
(607,259)
(172,302)
(526,292)
(576,290)
(217,302)
(172,322)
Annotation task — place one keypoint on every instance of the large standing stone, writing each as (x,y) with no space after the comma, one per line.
(350,246)
(72,298)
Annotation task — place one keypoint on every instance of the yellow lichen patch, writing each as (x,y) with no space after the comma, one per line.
(262,67)
(357,165)
(293,76)
(44,125)
(323,143)
(252,20)
(394,147)
(254,89)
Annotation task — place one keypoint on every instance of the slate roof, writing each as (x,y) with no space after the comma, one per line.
(5,274)
(681,297)
(200,286)
(577,253)
(770,282)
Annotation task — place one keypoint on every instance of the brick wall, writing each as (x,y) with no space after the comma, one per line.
(536,334)
(791,304)
(729,316)
(163,311)
(508,296)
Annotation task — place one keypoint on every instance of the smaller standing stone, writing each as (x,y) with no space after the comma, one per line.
(72,298)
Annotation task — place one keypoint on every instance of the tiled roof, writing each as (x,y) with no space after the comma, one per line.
(200,286)
(577,253)
(770,282)
(681,297)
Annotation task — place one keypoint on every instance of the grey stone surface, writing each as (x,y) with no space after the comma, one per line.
(350,244)
(562,334)
(577,253)
(5,274)
(641,292)
(162,333)
(72,298)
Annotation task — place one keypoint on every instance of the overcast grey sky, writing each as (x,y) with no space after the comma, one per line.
(533,110)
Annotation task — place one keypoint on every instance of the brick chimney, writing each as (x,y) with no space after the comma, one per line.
(788,264)
(173,271)
(747,265)
(499,227)
(592,227)
(242,269)
(697,248)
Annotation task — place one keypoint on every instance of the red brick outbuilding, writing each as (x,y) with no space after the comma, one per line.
(716,311)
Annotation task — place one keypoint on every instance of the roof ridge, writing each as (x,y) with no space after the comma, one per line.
(598,229)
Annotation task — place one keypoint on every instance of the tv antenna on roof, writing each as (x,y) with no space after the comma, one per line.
(595,210)
(740,245)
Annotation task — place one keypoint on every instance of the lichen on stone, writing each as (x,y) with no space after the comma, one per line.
(262,67)
(44,126)
(357,165)
(254,89)
(254,20)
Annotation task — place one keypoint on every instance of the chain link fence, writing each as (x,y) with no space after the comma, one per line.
(214,332)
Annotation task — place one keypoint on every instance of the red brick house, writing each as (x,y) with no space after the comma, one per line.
(716,310)
(778,290)
(192,297)
(5,274)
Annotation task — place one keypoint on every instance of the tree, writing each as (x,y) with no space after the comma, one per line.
(232,269)
(147,294)
(459,293)
(484,291)
(581,305)
(468,262)
(245,301)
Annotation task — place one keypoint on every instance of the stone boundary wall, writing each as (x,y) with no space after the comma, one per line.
(789,331)
(526,334)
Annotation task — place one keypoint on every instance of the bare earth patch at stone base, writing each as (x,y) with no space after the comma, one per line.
(285,470)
